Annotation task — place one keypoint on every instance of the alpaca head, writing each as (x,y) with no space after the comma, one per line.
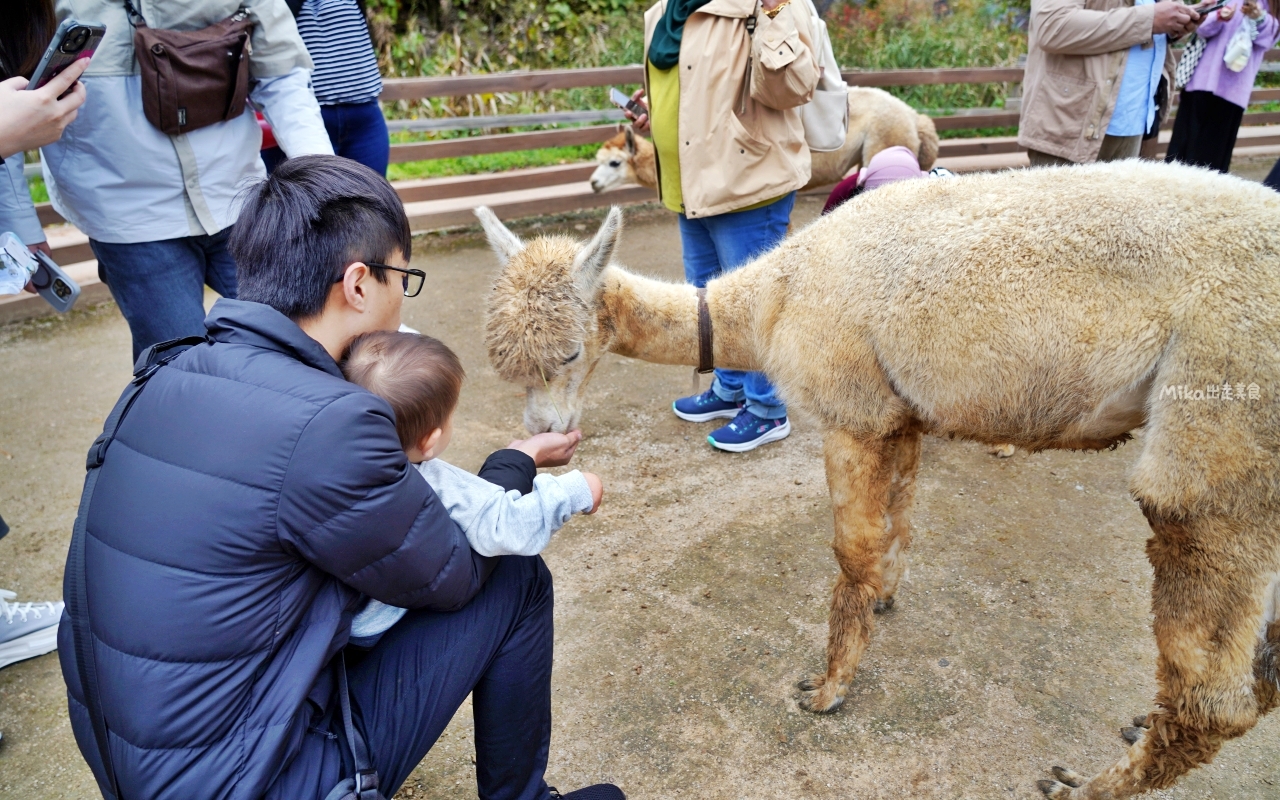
(541,328)
(616,162)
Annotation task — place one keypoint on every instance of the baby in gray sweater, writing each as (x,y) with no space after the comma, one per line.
(421,378)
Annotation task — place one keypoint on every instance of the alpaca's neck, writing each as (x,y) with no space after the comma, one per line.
(645,163)
(658,322)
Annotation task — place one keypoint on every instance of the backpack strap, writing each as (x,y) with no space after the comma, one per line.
(75,583)
(364,786)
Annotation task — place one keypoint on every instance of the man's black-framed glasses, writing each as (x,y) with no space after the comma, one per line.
(413,279)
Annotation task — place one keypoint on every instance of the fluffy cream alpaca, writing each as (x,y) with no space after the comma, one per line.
(877,120)
(1045,308)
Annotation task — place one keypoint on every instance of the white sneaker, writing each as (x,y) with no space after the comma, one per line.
(27,630)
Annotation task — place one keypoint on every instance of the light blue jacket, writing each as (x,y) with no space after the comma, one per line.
(17,213)
(120,180)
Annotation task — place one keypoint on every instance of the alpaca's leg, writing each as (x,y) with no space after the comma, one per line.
(1210,575)
(1266,661)
(859,472)
(902,491)
(1266,671)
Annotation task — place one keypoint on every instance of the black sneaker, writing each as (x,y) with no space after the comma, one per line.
(601,791)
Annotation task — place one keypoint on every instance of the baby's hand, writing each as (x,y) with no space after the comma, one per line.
(597,490)
(549,449)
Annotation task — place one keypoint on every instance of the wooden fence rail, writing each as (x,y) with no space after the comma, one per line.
(409,89)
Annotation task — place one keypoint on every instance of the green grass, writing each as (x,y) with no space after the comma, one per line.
(899,34)
(497,162)
(39,193)
(970,133)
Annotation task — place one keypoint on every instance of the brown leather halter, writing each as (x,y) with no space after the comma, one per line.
(706,355)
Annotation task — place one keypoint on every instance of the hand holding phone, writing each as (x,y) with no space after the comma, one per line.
(1208,8)
(54,285)
(626,103)
(33,119)
(72,41)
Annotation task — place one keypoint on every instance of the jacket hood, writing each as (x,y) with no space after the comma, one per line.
(260,325)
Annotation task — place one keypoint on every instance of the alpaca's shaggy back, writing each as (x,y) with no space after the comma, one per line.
(1020,306)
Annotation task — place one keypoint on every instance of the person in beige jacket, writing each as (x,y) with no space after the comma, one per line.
(724,82)
(1093,68)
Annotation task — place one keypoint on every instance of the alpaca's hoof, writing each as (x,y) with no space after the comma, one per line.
(883,606)
(1132,735)
(1003,450)
(1054,790)
(820,697)
(1067,776)
(1060,789)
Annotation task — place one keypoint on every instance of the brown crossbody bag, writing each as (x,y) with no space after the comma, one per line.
(192,79)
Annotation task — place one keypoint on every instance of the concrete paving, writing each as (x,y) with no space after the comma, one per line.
(687,608)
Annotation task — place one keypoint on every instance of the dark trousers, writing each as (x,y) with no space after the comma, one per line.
(1204,132)
(159,286)
(358,131)
(405,690)
(1273,177)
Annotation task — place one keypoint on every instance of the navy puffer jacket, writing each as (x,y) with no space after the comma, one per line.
(249,499)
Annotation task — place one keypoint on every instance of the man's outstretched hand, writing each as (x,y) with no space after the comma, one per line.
(549,449)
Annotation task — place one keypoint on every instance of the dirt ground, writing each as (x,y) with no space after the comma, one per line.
(689,606)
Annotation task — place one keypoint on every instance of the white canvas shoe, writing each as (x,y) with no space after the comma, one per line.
(27,630)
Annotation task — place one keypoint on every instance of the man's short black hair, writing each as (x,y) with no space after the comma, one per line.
(301,227)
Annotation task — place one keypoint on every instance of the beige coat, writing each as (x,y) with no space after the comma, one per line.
(743,146)
(1076,57)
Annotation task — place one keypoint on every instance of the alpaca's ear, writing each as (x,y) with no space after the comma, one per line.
(505,243)
(631,141)
(595,254)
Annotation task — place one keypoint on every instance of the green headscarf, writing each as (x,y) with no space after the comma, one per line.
(664,48)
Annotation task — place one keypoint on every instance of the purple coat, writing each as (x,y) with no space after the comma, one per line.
(1211,73)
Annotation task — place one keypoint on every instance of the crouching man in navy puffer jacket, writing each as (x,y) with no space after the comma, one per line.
(252,498)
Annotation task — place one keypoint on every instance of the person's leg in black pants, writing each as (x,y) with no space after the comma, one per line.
(499,647)
(1273,177)
(1204,132)
(406,689)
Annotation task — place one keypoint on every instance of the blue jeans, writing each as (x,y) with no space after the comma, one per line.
(716,245)
(405,690)
(358,131)
(159,286)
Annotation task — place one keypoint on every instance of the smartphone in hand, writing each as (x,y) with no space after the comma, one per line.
(1209,8)
(71,41)
(54,285)
(624,102)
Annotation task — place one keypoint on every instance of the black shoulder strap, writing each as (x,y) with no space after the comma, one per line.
(134,15)
(75,582)
(364,786)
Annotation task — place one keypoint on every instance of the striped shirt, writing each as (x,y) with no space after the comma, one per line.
(338,39)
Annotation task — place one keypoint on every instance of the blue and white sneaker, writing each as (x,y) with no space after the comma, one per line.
(705,407)
(747,432)
(27,630)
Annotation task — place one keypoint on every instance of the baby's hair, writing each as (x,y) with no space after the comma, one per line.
(419,377)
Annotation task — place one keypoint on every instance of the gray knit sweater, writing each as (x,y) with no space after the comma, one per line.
(496,523)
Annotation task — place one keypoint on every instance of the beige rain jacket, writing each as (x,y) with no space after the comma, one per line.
(744,144)
(1075,59)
